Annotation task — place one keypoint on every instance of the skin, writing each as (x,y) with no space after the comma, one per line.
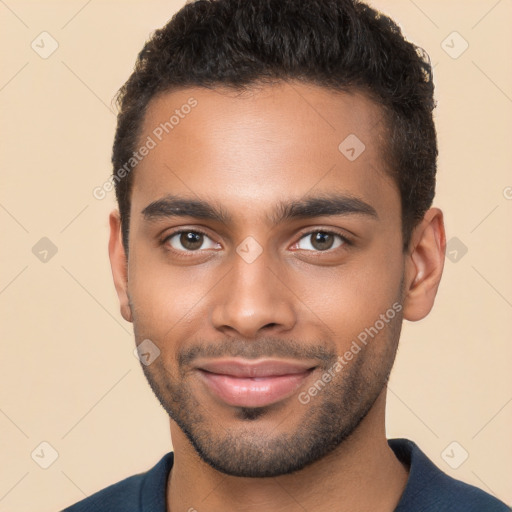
(297,300)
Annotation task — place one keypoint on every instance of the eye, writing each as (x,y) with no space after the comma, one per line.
(322,241)
(189,241)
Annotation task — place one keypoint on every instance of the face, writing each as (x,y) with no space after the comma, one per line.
(265,264)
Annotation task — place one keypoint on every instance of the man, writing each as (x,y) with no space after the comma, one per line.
(274,165)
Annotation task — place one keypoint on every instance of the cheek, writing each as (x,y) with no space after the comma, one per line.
(352,297)
(167,297)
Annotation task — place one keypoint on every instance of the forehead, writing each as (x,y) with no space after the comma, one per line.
(250,149)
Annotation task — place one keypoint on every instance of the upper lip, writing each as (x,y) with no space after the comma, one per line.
(250,368)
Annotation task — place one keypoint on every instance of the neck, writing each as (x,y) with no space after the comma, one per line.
(361,474)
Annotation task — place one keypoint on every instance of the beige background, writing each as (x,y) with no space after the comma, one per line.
(68,374)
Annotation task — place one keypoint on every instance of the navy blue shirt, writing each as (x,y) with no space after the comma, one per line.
(428,489)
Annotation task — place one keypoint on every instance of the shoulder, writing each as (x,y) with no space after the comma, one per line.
(430,489)
(132,493)
(124,495)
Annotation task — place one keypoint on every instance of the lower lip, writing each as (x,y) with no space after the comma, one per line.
(253,392)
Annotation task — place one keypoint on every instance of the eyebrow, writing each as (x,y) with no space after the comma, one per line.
(309,207)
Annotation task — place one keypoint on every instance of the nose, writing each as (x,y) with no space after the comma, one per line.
(252,298)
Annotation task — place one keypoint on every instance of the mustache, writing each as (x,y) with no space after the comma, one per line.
(255,349)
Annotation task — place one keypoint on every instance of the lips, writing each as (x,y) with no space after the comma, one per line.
(244,383)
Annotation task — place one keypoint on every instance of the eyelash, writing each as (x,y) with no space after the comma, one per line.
(187,254)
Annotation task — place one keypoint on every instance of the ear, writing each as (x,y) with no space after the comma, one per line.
(424,265)
(119,264)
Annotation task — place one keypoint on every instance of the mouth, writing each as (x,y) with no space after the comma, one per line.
(244,383)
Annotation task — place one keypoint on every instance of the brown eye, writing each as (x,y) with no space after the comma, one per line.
(321,241)
(189,241)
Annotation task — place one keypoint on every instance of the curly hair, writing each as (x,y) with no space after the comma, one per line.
(341,45)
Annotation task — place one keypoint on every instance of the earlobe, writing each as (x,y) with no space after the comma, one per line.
(119,264)
(424,265)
